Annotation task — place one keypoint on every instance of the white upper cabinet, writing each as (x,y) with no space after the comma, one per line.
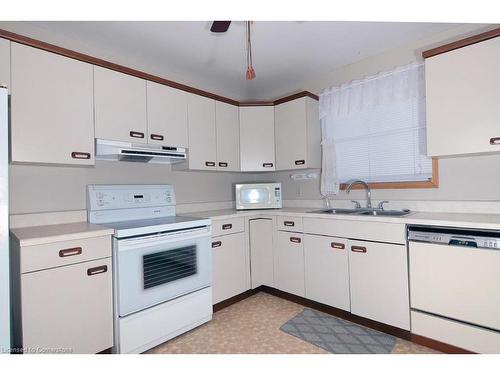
(202,133)
(257,138)
(120,106)
(167,115)
(51,108)
(297,134)
(4,63)
(462,97)
(228,136)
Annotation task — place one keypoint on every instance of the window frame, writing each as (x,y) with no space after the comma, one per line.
(432,183)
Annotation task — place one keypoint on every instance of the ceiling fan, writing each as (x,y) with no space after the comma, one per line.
(221,27)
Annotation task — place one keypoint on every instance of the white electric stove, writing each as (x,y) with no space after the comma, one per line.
(162,267)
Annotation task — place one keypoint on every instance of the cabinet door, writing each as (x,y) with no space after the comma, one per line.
(228,137)
(229,266)
(202,133)
(290,121)
(289,263)
(327,270)
(4,63)
(120,106)
(378,275)
(51,108)
(167,115)
(69,307)
(261,252)
(462,98)
(257,138)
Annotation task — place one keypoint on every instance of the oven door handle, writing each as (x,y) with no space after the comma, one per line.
(129,244)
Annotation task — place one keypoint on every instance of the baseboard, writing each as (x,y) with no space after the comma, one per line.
(237,298)
(438,345)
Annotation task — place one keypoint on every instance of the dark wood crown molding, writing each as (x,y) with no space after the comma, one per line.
(296,96)
(462,43)
(137,73)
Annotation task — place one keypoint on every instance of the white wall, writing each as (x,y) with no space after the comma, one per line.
(48,188)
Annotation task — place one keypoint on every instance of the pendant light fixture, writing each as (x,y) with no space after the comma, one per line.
(250,74)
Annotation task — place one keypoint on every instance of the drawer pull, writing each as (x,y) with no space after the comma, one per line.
(295,239)
(156,137)
(134,134)
(495,141)
(300,162)
(210,163)
(358,249)
(222,164)
(216,244)
(337,245)
(226,226)
(267,165)
(80,155)
(70,252)
(97,270)
(288,223)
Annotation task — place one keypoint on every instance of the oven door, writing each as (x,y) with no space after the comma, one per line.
(156,268)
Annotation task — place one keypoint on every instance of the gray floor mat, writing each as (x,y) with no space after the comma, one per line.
(336,335)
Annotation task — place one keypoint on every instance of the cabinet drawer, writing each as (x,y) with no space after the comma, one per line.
(69,308)
(290,223)
(56,254)
(228,226)
(371,231)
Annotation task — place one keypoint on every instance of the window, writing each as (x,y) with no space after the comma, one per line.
(374,130)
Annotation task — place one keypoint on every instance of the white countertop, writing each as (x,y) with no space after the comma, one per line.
(37,235)
(464,220)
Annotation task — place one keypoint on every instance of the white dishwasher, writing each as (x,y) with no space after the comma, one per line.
(455,286)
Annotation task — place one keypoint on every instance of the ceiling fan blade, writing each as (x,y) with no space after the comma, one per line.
(220,26)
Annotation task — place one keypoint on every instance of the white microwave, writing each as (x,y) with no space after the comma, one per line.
(258,196)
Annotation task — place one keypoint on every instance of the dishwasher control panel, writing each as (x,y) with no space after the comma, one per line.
(463,237)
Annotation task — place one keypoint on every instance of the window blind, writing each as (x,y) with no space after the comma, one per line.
(378,128)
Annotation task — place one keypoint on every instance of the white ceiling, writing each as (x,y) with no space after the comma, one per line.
(285,54)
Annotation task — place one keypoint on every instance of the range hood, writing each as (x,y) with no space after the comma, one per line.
(142,153)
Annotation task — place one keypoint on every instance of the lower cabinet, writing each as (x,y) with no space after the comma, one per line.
(378,275)
(230,267)
(261,252)
(289,263)
(68,308)
(326,266)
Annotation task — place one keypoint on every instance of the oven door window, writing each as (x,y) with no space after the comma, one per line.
(167,266)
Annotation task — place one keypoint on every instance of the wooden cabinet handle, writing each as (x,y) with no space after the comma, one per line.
(134,134)
(295,239)
(223,164)
(337,245)
(70,252)
(495,141)
(226,226)
(358,249)
(216,244)
(157,137)
(267,165)
(97,270)
(288,223)
(210,163)
(80,155)
(300,162)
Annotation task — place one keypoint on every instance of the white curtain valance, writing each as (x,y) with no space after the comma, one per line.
(401,84)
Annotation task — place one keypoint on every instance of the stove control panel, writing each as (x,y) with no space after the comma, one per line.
(112,197)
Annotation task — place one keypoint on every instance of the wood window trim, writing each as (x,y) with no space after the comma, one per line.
(432,183)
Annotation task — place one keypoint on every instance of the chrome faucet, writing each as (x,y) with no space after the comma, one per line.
(367,188)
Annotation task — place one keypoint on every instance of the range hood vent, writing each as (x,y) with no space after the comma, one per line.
(139,153)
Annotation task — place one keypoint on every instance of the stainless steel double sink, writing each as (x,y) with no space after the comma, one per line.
(362,212)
